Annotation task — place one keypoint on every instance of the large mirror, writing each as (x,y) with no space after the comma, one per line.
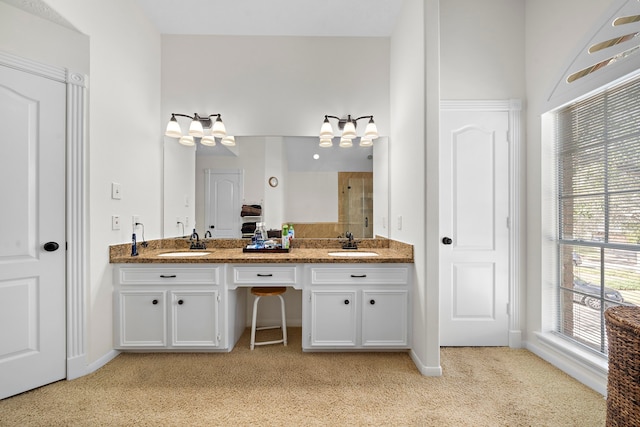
(324,192)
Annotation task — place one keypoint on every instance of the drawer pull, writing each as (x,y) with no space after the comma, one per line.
(264,275)
(168,276)
(346,302)
(154,302)
(358,275)
(180,302)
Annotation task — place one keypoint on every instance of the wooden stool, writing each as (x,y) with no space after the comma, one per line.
(268,292)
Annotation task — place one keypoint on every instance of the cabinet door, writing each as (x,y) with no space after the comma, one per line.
(385,318)
(333,318)
(142,319)
(194,316)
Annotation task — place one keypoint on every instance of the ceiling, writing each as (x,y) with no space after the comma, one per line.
(342,18)
(337,18)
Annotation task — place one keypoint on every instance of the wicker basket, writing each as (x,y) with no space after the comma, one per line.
(623,387)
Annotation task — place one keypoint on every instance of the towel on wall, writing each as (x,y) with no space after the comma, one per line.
(251,210)
(248,227)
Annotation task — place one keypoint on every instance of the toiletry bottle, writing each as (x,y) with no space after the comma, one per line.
(285,236)
(259,236)
(292,234)
(134,247)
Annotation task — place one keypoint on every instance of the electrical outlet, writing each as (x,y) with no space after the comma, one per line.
(384,222)
(177,221)
(186,221)
(115,222)
(399,222)
(134,220)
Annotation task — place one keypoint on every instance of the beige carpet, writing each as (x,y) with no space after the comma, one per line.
(276,385)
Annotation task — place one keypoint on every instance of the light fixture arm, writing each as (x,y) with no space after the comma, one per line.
(343,121)
(205,121)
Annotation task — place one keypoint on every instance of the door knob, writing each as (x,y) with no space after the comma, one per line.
(447,240)
(51,246)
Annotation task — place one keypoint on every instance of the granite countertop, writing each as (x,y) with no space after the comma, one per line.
(230,251)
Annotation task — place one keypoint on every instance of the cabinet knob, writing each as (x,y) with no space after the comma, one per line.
(154,302)
(372,302)
(346,302)
(180,302)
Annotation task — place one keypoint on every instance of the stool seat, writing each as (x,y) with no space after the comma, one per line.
(259,292)
(268,291)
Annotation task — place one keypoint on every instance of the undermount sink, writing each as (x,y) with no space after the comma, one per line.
(183,254)
(352,254)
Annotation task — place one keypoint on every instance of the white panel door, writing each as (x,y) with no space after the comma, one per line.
(32,223)
(223,204)
(474,206)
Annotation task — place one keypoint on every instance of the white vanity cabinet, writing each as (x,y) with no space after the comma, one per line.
(169,306)
(357,306)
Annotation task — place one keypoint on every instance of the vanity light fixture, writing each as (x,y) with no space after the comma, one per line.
(197,130)
(348,128)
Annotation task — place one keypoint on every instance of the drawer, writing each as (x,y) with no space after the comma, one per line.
(359,275)
(269,275)
(159,275)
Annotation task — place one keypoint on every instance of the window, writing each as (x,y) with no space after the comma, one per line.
(598,167)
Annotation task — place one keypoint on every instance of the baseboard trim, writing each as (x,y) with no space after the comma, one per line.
(562,356)
(427,371)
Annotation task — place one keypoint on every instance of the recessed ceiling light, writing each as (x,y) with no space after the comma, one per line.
(316,156)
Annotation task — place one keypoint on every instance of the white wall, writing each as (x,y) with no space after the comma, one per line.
(124,143)
(276,86)
(407,171)
(553,37)
(482,49)
(32,37)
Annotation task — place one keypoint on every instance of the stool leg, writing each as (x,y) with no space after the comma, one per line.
(284,321)
(253,322)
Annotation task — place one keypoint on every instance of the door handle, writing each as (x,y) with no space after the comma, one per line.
(447,240)
(51,246)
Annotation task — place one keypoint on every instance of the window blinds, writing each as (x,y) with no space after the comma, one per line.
(598,152)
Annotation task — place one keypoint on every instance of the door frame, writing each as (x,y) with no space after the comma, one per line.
(76,204)
(514,109)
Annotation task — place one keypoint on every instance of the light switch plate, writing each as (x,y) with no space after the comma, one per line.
(116,191)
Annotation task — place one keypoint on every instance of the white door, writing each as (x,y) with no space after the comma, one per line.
(32,224)
(222,203)
(474,247)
